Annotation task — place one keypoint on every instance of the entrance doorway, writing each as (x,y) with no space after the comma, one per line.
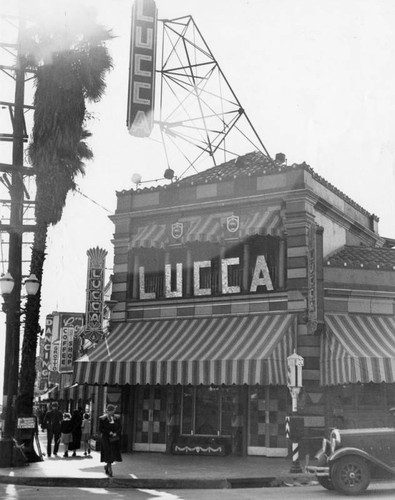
(150,434)
(267,411)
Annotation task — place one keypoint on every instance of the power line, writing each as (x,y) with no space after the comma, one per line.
(78,190)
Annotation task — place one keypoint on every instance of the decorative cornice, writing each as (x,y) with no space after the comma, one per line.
(252,164)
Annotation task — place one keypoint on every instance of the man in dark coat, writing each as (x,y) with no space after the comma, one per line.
(51,422)
(110,429)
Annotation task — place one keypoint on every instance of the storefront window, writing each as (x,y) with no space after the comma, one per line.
(229,405)
(370,395)
(390,395)
(355,396)
(187,406)
(208,410)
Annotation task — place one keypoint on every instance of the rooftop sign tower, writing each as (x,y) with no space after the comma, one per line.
(197,115)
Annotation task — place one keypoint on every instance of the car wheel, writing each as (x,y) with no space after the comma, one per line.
(350,475)
(325,482)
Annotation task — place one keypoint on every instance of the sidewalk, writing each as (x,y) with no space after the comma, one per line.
(156,470)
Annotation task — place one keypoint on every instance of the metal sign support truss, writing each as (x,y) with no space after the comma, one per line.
(200,115)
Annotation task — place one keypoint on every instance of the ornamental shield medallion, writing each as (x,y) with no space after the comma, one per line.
(177,230)
(232,223)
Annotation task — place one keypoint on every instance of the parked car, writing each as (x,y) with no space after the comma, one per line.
(352,457)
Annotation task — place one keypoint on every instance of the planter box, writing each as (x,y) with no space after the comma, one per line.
(200,446)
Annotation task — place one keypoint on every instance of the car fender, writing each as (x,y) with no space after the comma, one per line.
(342,452)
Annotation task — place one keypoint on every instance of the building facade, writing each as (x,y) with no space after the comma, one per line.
(217,279)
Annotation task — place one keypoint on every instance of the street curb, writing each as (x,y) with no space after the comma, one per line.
(156,483)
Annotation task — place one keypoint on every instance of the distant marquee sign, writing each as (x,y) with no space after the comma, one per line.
(95,295)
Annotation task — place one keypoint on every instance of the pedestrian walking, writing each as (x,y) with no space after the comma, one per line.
(66,433)
(76,421)
(110,429)
(51,423)
(86,428)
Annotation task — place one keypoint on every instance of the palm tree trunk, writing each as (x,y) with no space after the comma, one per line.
(27,375)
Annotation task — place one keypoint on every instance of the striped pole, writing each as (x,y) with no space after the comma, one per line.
(295,467)
(294,383)
(287,427)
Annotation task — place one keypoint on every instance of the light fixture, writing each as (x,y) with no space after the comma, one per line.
(7,283)
(32,285)
(169,174)
(136,179)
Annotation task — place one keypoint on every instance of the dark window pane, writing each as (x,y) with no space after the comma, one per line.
(207,410)
(230,403)
(187,410)
(370,395)
(390,395)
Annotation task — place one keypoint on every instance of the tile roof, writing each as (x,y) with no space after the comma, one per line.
(250,164)
(363,257)
(253,163)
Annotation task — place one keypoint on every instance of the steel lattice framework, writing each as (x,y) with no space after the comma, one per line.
(200,116)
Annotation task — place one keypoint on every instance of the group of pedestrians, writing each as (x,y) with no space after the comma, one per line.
(68,429)
(73,429)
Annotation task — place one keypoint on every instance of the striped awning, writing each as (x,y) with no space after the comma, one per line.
(204,228)
(208,228)
(74,392)
(268,222)
(153,235)
(52,393)
(358,348)
(227,350)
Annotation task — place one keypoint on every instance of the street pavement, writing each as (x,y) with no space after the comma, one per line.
(155,470)
(382,491)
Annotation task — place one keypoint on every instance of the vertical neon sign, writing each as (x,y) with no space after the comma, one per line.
(141,95)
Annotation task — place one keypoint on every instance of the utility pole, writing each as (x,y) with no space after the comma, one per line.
(16,189)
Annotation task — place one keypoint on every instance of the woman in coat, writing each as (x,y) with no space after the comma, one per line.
(66,427)
(76,421)
(110,429)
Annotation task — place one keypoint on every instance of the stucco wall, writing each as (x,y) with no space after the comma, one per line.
(334,235)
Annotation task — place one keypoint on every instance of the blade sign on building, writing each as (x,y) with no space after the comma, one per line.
(46,355)
(95,294)
(70,325)
(140,114)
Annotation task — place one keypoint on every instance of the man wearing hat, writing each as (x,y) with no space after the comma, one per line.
(52,422)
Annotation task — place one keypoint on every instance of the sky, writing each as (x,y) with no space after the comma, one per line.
(315,77)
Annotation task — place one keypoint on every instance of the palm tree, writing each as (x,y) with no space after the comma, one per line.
(70,70)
